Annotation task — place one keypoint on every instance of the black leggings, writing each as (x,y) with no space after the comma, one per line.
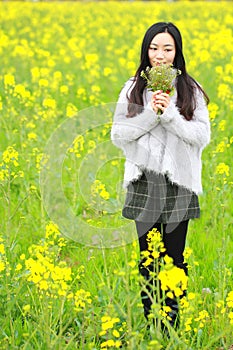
(174,237)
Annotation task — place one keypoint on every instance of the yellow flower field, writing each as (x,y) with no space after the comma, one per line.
(68,260)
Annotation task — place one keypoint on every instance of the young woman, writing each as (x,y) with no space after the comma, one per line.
(162,137)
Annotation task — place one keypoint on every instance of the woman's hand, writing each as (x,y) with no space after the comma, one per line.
(160,101)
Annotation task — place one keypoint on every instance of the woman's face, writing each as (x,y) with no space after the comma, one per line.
(162,49)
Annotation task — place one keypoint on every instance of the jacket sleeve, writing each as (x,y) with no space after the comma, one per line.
(195,131)
(125,129)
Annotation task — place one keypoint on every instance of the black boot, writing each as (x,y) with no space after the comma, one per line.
(173,314)
(149,295)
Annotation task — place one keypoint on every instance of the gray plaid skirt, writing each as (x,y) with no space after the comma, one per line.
(154,198)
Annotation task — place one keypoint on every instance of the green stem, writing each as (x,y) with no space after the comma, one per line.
(8,199)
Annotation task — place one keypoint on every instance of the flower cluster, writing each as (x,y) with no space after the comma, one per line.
(98,188)
(174,281)
(50,277)
(81,299)
(111,328)
(229,301)
(155,247)
(77,146)
(160,77)
(222,169)
(193,323)
(3,260)
(53,278)
(9,166)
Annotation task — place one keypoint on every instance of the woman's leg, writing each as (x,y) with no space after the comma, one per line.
(174,238)
(147,295)
(142,230)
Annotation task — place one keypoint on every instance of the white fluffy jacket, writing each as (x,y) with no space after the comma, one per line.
(165,144)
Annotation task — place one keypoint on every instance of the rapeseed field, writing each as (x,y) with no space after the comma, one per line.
(68,260)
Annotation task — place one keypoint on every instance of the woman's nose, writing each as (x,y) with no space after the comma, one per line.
(160,55)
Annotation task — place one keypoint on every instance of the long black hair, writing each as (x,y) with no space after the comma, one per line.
(185,84)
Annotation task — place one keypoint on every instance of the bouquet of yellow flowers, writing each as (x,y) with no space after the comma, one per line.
(160,77)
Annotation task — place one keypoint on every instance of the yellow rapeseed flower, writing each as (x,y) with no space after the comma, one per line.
(191,296)
(71,110)
(173,280)
(2,266)
(222,168)
(43,82)
(2,248)
(32,136)
(26,308)
(108,322)
(35,72)
(187,253)
(49,103)
(188,323)
(9,80)
(49,275)
(107,71)
(10,155)
(213,110)
(43,285)
(81,298)
(98,188)
(230,315)
(64,89)
(222,125)
(203,315)
(108,344)
(95,88)
(77,146)
(224,91)
(115,333)
(18,267)
(220,148)
(20,90)
(229,299)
